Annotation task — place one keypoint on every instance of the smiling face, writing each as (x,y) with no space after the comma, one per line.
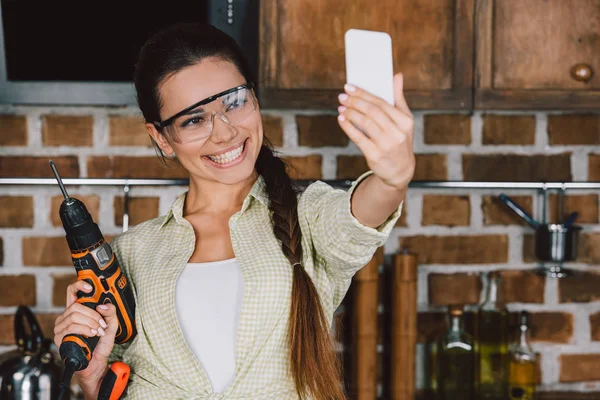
(229,153)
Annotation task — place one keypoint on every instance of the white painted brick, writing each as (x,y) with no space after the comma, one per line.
(454,160)
(541,132)
(419,132)
(476,131)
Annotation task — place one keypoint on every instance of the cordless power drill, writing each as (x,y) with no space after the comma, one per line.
(97,265)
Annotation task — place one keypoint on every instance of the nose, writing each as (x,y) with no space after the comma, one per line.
(220,128)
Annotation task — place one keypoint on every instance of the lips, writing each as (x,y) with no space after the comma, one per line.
(229,149)
(231,156)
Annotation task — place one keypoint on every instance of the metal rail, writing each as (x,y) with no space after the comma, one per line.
(556,271)
(333,182)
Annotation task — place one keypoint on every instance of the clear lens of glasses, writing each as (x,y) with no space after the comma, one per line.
(197,124)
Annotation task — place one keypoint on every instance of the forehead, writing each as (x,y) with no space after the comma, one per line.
(197,82)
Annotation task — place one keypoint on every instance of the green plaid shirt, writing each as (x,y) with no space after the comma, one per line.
(154,253)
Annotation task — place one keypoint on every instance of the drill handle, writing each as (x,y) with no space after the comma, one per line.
(114,382)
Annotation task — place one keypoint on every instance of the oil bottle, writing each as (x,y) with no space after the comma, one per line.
(491,344)
(522,374)
(455,360)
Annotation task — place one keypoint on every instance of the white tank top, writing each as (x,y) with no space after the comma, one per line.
(208,300)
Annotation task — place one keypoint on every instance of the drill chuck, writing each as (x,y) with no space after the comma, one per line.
(82,232)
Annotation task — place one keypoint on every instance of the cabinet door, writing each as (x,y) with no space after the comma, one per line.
(542,54)
(302,49)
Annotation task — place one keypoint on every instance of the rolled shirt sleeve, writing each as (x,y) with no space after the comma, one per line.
(339,238)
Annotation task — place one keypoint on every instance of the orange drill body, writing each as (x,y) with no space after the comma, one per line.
(96,264)
(99,267)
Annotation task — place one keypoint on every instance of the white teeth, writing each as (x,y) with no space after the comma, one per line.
(229,156)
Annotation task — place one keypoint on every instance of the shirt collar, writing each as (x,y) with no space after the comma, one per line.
(258,192)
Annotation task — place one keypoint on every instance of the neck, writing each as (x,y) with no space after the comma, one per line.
(523,339)
(493,292)
(216,197)
(456,323)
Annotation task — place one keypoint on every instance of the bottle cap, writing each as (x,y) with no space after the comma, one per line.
(456,310)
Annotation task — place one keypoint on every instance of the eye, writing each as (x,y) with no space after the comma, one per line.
(235,100)
(235,103)
(191,122)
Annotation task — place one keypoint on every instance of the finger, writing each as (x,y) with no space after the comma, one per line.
(109,313)
(78,319)
(75,309)
(74,287)
(80,308)
(74,329)
(369,108)
(365,145)
(106,342)
(79,329)
(399,94)
(402,119)
(360,92)
(365,123)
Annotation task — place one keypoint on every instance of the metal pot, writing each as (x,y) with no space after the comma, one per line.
(556,243)
(33,371)
(553,242)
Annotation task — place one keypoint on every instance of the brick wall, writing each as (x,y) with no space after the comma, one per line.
(458,234)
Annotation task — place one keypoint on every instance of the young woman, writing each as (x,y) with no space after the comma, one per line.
(236,286)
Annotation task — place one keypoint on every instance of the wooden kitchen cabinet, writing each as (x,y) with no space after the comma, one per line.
(302,49)
(537,54)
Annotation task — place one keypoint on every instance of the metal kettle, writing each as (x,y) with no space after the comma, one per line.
(34,370)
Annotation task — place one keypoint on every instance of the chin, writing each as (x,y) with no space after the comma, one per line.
(234,177)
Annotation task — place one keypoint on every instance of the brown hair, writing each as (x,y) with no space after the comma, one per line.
(315,367)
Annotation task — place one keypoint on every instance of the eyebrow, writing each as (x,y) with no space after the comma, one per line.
(200,109)
(196,110)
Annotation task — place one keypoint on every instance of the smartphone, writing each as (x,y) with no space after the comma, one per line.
(369,62)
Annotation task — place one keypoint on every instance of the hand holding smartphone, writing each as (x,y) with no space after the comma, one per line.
(382,132)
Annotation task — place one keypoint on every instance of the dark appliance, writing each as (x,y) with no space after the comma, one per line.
(71,44)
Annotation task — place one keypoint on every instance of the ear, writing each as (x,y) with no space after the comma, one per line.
(159,138)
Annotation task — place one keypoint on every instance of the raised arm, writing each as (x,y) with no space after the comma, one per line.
(386,140)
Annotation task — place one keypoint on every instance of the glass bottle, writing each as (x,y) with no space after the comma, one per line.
(491,344)
(455,360)
(522,374)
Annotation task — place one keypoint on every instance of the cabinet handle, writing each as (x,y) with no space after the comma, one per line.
(582,72)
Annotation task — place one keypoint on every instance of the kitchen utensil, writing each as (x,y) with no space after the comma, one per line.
(556,243)
(553,242)
(519,211)
(571,219)
(32,371)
